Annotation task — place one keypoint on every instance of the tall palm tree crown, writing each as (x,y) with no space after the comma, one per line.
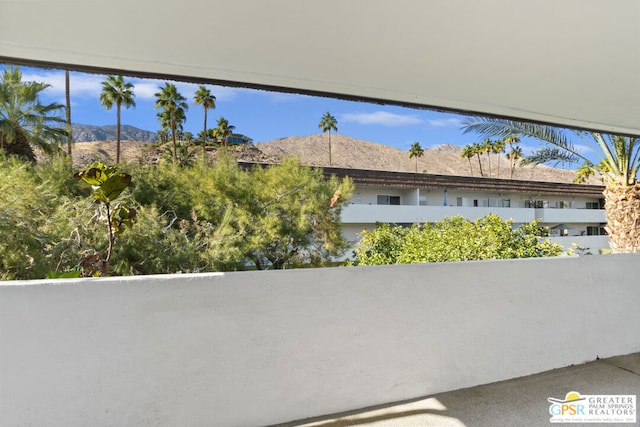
(223,130)
(487,147)
(170,101)
(511,140)
(416,151)
(203,97)
(467,153)
(116,91)
(24,120)
(619,160)
(478,149)
(327,124)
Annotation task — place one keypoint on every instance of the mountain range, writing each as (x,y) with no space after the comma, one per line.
(89,133)
(346,152)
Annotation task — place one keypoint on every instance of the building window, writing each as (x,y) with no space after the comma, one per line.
(593,205)
(506,203)
(422,201)
(475,203)
(458,201)
(596,231)
(388,200)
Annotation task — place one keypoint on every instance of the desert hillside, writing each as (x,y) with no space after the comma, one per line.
(347,152)
(444,159)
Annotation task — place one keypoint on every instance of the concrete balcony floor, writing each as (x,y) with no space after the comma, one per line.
(516,402)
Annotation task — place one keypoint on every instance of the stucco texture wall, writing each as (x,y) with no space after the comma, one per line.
(258,348)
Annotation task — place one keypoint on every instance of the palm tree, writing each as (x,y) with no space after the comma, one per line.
(328,123)
(477,150)
(619,162)
(170,100)
(67,94)
(164,117)
(416,151)
(511,140)
(498,148)
(468,153)
(223,130)
(487,147)
(116,91)
(203,97)
(24,121)
(514,157)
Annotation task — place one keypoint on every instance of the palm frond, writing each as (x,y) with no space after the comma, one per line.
(491,127)
(553,155)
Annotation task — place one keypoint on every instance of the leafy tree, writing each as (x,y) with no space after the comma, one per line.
(116,91)
(173,105)
(292,215)
(416,151)
(327,124)
(24,120)
(619,161)
(203,97)
(223,130)
(453,239)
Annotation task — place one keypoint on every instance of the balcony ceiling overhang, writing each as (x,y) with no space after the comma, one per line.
(571,63)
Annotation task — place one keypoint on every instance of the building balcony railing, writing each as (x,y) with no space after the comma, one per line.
(571,215)
(403,214)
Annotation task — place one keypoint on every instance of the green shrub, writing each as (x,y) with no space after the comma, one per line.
(453,239)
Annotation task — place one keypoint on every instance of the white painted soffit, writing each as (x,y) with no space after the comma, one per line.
(574,63)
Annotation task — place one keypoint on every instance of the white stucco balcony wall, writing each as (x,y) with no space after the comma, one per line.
(419,214)
(551,215)
(593,244)
(259,348)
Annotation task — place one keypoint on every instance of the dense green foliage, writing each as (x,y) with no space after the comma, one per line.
(453,239)
(206,217)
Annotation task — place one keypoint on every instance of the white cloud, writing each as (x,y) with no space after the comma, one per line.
(583,149)
(90,85)
(381,118)
(451,122)
(82,85)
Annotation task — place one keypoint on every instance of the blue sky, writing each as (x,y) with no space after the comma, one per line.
(263,115)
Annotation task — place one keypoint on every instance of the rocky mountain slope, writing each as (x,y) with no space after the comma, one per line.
(444,159)
(87,133)
(347,152)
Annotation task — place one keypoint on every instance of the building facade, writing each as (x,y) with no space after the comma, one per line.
(573,213)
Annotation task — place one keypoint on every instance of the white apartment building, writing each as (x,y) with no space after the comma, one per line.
(573,213)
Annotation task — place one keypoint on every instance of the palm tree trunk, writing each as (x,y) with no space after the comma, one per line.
(329,147)
(173,138)
(470,168)
(622,205)
(118,135)
(479,164)
(67,93)
(511,161)
(204,135)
